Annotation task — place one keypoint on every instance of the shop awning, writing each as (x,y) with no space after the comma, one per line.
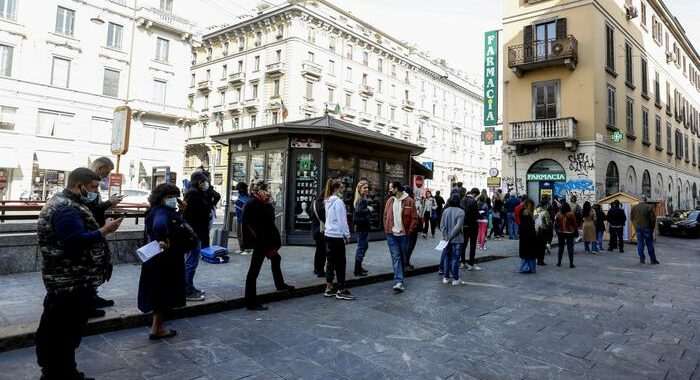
(418,169)
(8,158)
(57,160)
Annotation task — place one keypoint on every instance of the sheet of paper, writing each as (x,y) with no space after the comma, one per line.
(441,245)
(148,251)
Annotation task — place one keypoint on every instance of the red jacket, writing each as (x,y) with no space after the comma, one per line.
(517,210)
(409,215)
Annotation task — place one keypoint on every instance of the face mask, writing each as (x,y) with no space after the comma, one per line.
(88,197)
(206,186)
(170,202)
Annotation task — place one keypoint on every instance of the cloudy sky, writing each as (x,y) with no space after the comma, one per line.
(432,24)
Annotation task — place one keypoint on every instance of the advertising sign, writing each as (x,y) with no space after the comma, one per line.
(121,127)
(115,184)
(491,78)
(546,177)
(493,181)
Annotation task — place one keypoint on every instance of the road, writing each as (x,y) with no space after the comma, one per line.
(609,318)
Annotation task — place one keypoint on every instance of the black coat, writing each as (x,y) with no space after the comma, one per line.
(98,209)
(315,223)
(258,227)
(198,212)
(600,220)
(361,216)
(528,244)
(161,287)
(440,204)
(616,217)
(471,212)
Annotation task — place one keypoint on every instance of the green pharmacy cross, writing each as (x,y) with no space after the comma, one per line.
(617,136)
(490,135)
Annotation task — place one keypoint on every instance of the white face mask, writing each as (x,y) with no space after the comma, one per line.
(170,202)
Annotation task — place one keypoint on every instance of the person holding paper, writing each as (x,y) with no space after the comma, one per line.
(161,288)
(451,226)
(75,261)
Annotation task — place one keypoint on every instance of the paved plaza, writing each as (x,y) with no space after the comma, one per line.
(609,318)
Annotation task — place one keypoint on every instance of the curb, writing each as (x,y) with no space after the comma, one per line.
(109,324)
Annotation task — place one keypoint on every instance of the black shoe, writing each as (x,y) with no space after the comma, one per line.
(621,251)
(558,264)
(610,249)
(257,307)
(410,267)
(321,274)
(285,288)
(572,266)
(655,262)
(100,302)
(344,295)
(542,263)
(96,313)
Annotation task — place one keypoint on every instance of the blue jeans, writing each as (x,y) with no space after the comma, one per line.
(398,247)
(587,246)
(450,260)
(362,246)
(512,226)
(441,267)
(598,245)
(191,262)
(645,236)
(528,265)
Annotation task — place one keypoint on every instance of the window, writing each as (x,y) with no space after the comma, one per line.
(365,58)
(612,179)
(331,44)
(545,98)
(611,120)
(348,51)
(208,75)
(275,117)
(331,67)
(280,32)
(609,48)
(278,56)
(643,20)
(276,87)
(222,98)
(679,144)
(110,84)
(657,91)
(379,86)
(393,71)
(238,92)
(544,34)
(364,105)
(348,74)
(224,71)
(6,54)
(669,141)
(162,49)
(60,72)
(205,102)
(241,44)
(646,184)
(65,21)
(309,90)
(258,39)
(166,6)
(8,9)
(227,45)
(159,88)
(392,113)
(645,77)
(114,36)
(629,79)
(7,118)
(311,57)
(240,66)
(254,89)
(331,95)
(348,99)
(656,30)
(256,63)
(668,97)
(379,109)
(685,144)
(210,52)
(380,65)
(364,79)
(312,35)
(253,120)
(55,124)
(629,117)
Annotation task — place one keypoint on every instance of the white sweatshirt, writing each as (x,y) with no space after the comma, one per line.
(336,218)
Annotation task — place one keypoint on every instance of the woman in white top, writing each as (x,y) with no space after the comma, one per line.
(337,236)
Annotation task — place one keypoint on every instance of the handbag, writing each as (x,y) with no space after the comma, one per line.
(269,252)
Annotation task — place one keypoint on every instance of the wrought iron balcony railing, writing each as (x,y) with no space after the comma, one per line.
(537,54)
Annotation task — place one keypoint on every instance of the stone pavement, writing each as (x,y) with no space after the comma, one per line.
(610,318)
(21,295)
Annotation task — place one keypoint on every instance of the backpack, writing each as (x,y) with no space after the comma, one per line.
(322,224)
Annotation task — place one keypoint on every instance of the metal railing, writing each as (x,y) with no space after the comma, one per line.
(543,52)
(544,130)
(29,210)
(161,109)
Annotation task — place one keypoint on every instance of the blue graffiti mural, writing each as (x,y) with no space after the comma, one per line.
(582,188)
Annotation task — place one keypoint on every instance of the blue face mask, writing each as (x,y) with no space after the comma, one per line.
(206,186)
(88,197)
(170,202)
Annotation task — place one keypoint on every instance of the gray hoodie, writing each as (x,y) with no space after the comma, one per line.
(451,225)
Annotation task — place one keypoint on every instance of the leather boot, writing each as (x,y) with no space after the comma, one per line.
(358,269)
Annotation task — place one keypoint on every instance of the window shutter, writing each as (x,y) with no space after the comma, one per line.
(527,43)
(561,28)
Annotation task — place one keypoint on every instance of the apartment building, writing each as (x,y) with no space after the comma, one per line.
(65,66)
(311,57)
(600,96)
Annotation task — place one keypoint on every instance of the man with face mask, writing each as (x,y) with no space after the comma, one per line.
(75,261)
(197,216)
(102,167)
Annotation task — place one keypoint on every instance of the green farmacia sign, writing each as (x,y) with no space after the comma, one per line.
(546,177)
(491,78)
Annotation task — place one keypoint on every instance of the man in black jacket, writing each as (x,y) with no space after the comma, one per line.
(213,197)
(197,214)
(616,222)
(318,216)
(471,229)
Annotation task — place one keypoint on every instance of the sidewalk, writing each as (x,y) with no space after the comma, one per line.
(21,295)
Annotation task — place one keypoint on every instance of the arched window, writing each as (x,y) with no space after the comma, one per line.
(612,179)
(631,186)
(659,189)
(646,184)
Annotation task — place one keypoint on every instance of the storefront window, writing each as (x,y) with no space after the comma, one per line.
(257,167)
(306,190)
(394,171)
(342,167)
(369,171)
(275,177)
(239,174)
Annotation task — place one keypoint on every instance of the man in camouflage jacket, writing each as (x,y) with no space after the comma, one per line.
(75,261)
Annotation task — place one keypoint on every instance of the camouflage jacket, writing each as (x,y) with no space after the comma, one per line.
(64,269)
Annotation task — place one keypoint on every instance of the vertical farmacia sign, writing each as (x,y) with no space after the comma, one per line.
(491,78)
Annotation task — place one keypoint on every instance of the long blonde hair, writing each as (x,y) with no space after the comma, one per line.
(358,196)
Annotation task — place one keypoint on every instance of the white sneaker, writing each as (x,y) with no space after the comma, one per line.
(446,280)
(398,288)
(473,267)
(458,282)
(463,266)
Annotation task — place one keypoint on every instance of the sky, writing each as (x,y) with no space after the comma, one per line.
(432,24)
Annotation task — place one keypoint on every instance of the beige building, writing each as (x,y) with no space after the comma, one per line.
(600,96)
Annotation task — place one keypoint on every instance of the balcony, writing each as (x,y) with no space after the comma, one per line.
(234,107)
(381,120)
(365,117)
(424,115)
(236,78)
(366,90)
(275,69)
(311,70)
(535,132)
(204,86)
(251,105)
(538,54)
(155,18)
(349,113)
(408,105)
(142,107)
